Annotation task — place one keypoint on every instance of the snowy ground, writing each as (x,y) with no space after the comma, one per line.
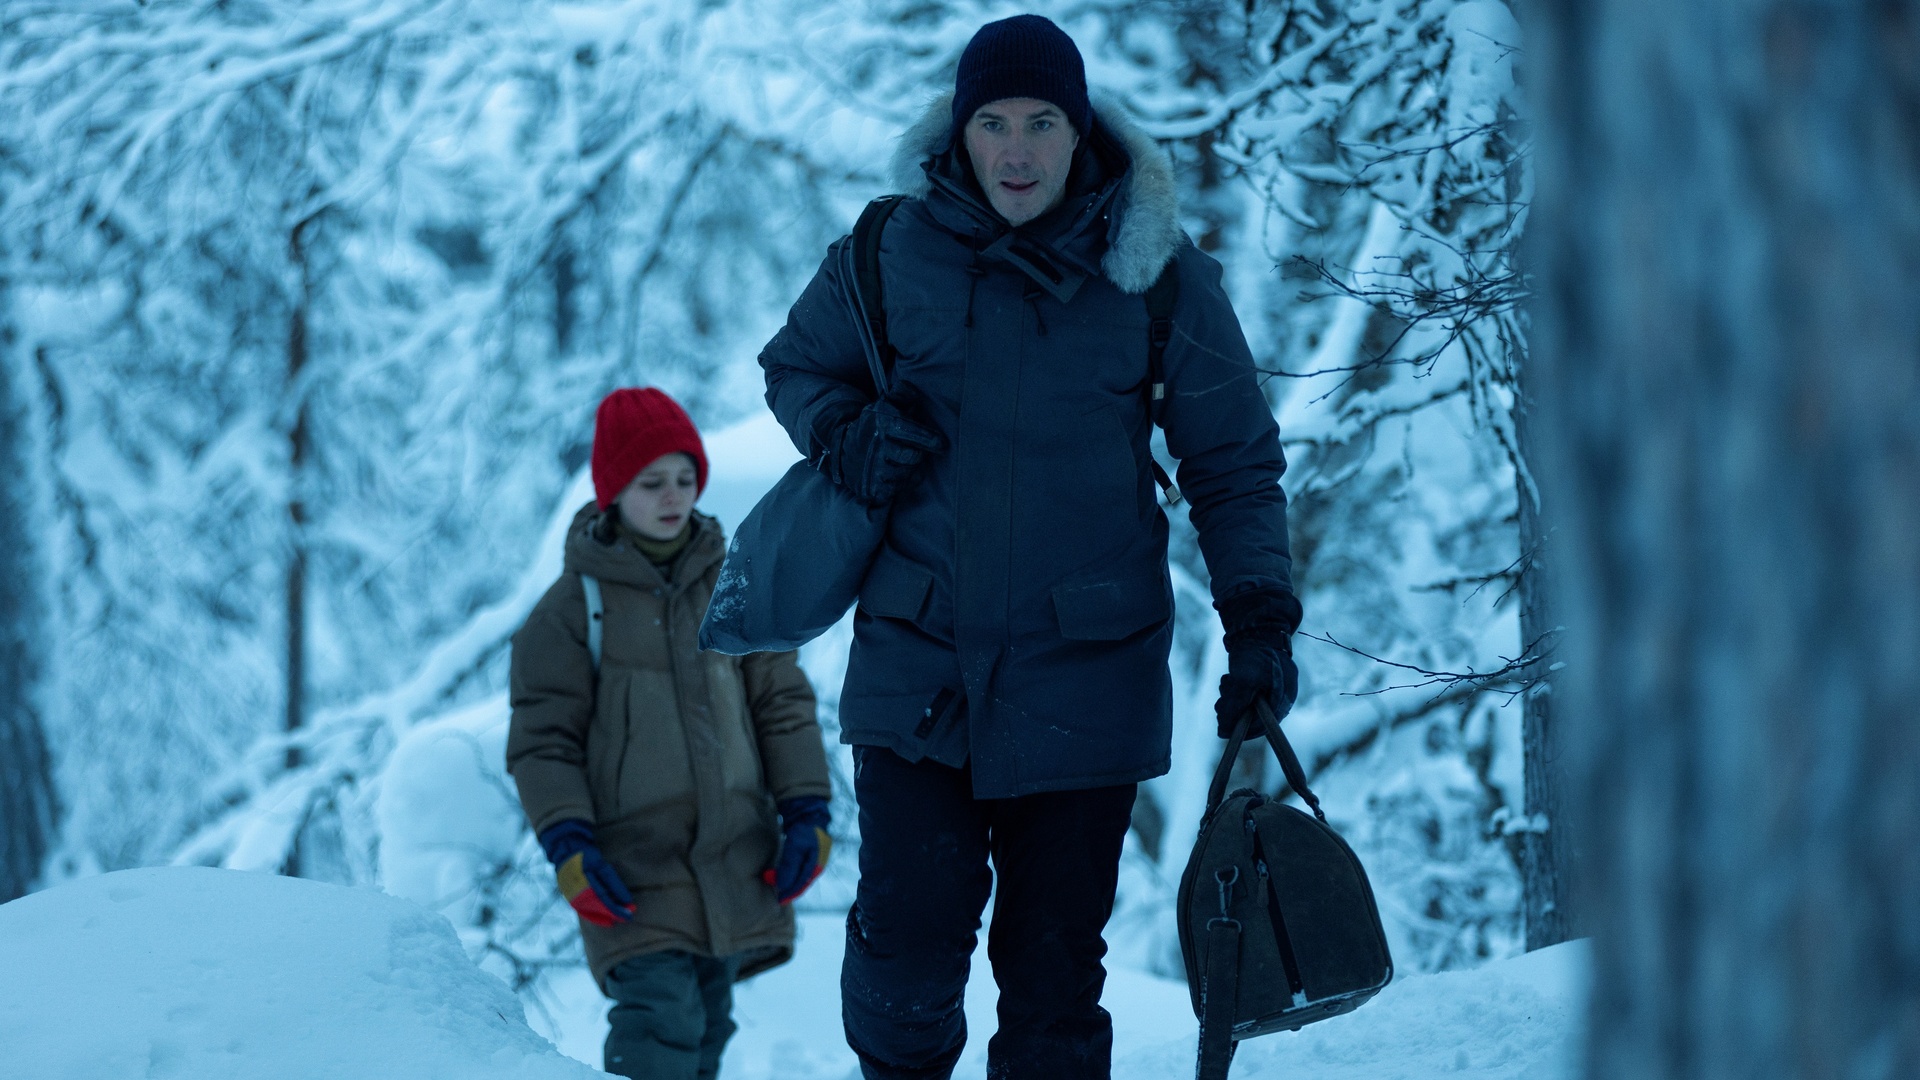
(203,974)
(198,973)
(1511,1020)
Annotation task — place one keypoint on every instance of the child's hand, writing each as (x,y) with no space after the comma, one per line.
(586,879)
(804,846)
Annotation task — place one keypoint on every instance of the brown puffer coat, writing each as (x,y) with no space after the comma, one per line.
(677,760)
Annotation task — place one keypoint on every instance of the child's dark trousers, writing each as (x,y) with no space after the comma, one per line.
(671,1017)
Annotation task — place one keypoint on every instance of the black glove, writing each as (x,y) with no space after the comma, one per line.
(874,451)
(1259,625)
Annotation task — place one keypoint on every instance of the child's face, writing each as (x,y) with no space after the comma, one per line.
(659,500)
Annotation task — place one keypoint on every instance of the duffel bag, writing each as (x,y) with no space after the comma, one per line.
(1278,925)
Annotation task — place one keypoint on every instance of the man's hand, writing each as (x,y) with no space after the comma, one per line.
(874,452)
(1259,637)
(804,846)
(585,877)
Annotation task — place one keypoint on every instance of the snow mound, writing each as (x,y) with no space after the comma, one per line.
(206,974)
(1518,1019)
(447,811)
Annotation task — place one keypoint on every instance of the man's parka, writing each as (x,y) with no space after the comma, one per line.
(1020,614)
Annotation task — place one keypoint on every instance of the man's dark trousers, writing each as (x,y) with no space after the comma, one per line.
(925,842)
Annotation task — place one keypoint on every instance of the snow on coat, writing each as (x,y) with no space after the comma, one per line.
(678,758)
(1020,613)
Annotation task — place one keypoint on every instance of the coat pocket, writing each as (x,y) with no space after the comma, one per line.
(1112,609)
(896,587)
(655,765)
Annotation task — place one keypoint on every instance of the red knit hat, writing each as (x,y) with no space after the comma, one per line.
(631,430)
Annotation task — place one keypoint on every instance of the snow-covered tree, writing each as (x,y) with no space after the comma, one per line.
(379,259)
(179,218)
(329,291)
(1361,176)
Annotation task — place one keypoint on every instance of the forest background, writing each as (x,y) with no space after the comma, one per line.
(305,308)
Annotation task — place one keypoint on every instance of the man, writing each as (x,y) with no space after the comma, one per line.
(1008,685)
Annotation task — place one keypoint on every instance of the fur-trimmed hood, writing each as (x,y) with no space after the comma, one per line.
(1146,211)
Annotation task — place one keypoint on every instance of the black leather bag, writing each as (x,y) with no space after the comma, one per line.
(1278,925)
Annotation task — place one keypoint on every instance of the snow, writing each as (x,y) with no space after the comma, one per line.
(446,810)
(447,814)
(219,973)
(744,459)
(796,1009)
(204,973)
(1516,1019)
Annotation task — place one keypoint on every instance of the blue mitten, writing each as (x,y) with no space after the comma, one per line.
(804,846)
(585,877)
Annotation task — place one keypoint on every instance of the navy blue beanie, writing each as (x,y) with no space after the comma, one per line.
(1026,56)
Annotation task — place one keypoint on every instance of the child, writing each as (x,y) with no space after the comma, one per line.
(653,781)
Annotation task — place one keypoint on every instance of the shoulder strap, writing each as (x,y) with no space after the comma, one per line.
(1219,989)
(596,617)
(866,271)
(1162,297)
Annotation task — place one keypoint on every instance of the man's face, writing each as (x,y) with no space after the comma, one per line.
(1022,150)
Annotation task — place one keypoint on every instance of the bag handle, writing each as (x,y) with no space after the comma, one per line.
(1282,749)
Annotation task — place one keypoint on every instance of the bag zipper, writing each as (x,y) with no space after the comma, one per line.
(1274,916)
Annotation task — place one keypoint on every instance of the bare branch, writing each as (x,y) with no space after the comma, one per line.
(1501,680)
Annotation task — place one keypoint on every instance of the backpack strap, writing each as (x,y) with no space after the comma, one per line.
(866,272)
(1162,297)
(596,617)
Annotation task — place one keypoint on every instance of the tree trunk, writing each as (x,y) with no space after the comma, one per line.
(297,451)
(1547,852)
(27,803)
(1728,346)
